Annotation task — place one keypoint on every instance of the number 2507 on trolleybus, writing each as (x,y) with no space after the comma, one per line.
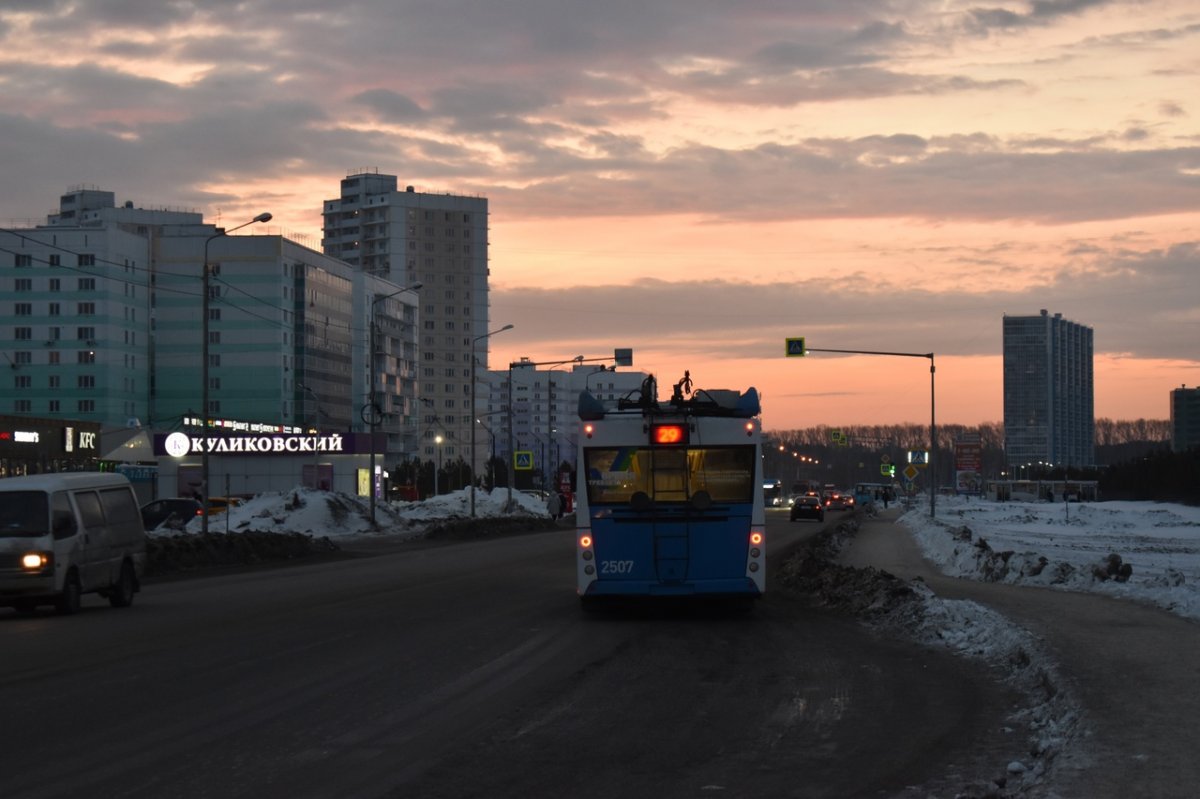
(670,499)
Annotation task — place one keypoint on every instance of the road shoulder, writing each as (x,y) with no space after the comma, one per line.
(1132,668)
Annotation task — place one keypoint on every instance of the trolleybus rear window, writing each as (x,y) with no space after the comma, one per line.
(615,474)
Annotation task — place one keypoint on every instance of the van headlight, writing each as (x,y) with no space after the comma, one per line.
(36,561)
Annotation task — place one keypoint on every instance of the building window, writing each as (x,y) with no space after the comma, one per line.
(214,337)
(87,406)
(24,309)
(23,260)
(54,406)
(23,357)
(22,381)
(54,357)
(53,310)
(86,309)
(56,260)
(23,284)
(55,284)
(87,259)
(85,381)
(87,284)
(23,406)
(85,333)
(85,356)
(54,381)
(23,333)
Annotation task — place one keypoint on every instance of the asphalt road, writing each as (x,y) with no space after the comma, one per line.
(1134,668)
(469,670)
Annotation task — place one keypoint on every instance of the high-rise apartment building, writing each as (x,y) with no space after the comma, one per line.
(1185,418)
(1049,414)
(441,242)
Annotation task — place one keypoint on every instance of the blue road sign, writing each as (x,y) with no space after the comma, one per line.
(795,347)
(523,461)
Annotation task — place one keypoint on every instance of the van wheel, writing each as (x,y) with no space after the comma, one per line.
(121,594)
(69,601)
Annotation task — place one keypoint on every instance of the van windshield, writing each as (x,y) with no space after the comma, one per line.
(24,514)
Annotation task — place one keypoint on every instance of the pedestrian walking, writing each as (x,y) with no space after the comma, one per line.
(554,505)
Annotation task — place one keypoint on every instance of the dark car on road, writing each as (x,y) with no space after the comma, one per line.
(175,512)
(808,508)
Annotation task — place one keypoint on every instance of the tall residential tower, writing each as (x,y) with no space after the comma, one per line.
(1048,391)
(441,242)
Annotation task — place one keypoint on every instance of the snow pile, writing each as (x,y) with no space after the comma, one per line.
(336,515)
(1135,550)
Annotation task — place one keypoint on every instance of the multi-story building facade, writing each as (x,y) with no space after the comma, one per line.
(544,402)
(1185,418)
(101,317)
(1049,415)
(439,241)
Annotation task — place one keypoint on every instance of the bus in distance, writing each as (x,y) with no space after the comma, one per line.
(670,495)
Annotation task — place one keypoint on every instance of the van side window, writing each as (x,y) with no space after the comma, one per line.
(120,507)
(89,510)
(61,516)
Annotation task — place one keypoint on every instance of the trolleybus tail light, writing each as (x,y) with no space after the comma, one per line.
(756,539)
(750,429)
(668,434)
(588,430)
(585,541)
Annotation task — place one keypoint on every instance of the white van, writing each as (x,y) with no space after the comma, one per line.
(66,534)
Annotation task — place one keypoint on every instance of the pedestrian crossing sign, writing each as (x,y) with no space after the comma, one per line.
(795,347)
(523,461)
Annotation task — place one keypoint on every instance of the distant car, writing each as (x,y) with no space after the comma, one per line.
(175,512)
(836,500)
(808,508)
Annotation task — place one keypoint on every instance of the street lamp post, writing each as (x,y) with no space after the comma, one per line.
(932,465)
(204,300)
(474,341)
(372,411)
(578,359)
(437,476)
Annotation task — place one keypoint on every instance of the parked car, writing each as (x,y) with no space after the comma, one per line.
(175,512)
(808,508)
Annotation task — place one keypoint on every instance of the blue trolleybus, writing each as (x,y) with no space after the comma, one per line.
(670,499)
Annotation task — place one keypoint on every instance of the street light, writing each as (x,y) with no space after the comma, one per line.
(372,410)
(598,370)
(578,359)
(474,341)
(263,217)
(437,476)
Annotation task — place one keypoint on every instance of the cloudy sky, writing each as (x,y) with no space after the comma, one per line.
(696,179)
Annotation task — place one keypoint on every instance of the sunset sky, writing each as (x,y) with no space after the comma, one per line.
(695,179)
